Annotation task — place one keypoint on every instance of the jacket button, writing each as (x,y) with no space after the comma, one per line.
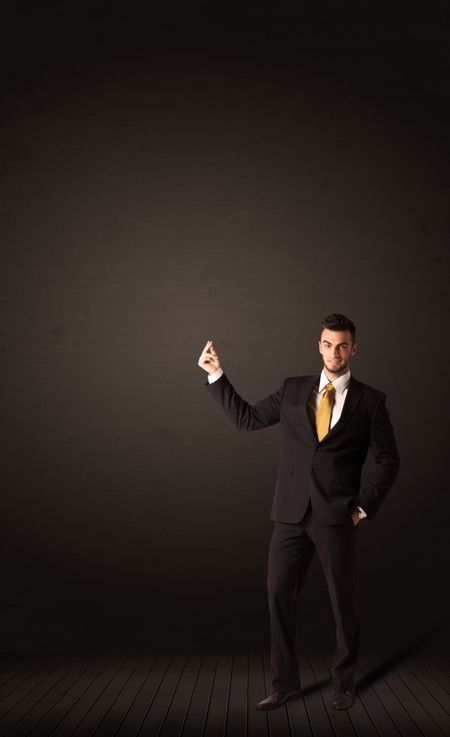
(317,447)
(314,469)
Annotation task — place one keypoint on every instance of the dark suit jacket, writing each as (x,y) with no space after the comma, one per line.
(328,471)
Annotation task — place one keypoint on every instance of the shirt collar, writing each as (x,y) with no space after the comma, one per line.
(340,384)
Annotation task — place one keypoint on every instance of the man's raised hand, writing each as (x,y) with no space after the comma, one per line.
(209,360)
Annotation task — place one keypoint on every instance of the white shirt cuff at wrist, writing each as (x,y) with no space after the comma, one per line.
(215,375)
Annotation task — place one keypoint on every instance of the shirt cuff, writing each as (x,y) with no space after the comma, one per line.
(362,513)
(215,375)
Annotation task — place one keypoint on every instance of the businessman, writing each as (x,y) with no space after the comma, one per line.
(328,421)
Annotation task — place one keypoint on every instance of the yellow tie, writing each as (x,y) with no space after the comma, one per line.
(323,416)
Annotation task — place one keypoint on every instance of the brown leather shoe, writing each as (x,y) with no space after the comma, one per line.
(278,698)
(343,699)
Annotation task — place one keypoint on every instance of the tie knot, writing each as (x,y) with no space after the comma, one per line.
(329,387)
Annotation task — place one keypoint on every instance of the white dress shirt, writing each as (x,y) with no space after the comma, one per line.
(341,387)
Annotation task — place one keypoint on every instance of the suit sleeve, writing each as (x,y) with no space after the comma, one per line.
(243,415)
(387,460)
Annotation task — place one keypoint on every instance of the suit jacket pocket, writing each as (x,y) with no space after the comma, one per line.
(285,470)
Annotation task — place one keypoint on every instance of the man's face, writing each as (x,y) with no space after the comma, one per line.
(336,348)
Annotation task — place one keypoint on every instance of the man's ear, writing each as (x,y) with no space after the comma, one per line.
(354,349)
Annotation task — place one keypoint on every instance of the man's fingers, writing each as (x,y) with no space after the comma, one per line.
(207,357)
(208,354)
(209,349)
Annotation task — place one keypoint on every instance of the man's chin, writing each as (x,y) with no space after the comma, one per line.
(336,369)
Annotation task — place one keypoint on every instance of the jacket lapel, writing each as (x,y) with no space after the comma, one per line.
(352,399)
(354,394)
(306,391)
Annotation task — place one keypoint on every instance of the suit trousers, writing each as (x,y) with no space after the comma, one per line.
(291,549)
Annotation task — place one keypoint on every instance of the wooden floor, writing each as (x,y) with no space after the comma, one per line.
(195,695)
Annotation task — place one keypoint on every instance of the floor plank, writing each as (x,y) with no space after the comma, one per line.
(196,716)
(215,695)
(258,721)
(373,705)
(428,692)
(218,705)
(388,693)
(32,709)
(314,700)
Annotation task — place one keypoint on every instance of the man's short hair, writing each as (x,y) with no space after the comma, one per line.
(335,321)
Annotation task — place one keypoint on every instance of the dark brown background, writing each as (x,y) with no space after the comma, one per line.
(235,175)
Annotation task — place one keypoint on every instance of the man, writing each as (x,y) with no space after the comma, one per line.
(328,422)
